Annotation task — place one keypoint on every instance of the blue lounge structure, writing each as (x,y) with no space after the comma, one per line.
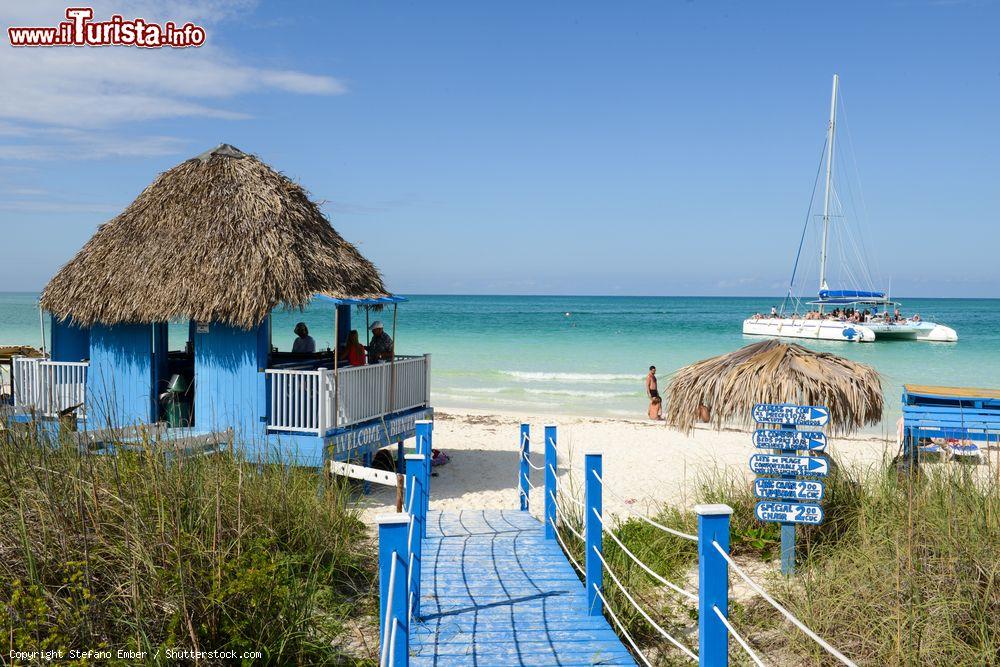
(218,243)
(963,414)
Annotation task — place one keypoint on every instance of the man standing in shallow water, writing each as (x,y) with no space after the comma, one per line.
(651,386)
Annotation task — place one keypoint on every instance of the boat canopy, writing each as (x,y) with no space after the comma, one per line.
(826,294)
(361,302)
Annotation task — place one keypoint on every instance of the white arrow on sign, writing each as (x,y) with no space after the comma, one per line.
(789,466)
(789,512)
(799,415)
(787,489)
(787,440)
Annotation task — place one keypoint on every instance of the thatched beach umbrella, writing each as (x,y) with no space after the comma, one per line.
(221,237)
(775,372)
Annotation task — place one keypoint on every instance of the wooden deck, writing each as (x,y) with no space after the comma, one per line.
(496,592)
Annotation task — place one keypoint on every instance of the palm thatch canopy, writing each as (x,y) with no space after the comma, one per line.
(221,237)
(775,372)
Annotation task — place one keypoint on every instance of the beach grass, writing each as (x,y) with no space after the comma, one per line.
(146,551)
(903,571)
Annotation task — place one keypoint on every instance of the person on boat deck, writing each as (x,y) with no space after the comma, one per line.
(898,316)
(380,346)
(774,311)
(651,387)
(304,343)
(656,408)
(354,349)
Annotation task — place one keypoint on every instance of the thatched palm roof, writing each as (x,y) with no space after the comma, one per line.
(775,372)
(221,237)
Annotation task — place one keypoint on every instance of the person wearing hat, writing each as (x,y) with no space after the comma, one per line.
(380,346)
(304,343)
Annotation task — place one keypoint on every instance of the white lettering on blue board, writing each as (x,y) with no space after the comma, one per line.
(789,466)
(786,440)
(787,489)
(379,434)
(789,512)
(798,415)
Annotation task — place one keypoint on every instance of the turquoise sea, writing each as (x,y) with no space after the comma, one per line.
(588,355)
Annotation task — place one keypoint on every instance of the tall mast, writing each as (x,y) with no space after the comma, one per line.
(829,179)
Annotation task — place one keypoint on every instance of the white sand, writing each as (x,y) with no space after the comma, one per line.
(645,463)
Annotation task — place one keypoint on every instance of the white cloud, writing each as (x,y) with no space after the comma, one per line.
(66,88)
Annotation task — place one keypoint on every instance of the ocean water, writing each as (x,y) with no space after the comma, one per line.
(589,355)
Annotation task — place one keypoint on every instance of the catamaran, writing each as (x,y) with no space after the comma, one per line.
(862,316)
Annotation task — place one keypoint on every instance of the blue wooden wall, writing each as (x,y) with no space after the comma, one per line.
(120,377)
(69,342)
(229,388)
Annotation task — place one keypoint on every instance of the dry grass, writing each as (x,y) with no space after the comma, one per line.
(145,551)
(774,372)
(218,238)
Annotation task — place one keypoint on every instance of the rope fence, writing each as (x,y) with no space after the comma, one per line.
(714,561)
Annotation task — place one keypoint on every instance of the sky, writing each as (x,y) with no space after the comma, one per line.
(635,148)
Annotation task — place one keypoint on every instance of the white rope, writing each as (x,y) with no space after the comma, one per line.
(528,461)
(552,441)
(530,485)
(787,614)
(645,518)
(688,652)
(672,586)
(409,532)
(565,520)
(742,642)
(620,626)
(566,549)
(388,610)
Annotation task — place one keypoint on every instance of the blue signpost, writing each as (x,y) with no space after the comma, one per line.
(786,498)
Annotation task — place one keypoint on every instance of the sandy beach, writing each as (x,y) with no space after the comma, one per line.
(646,463)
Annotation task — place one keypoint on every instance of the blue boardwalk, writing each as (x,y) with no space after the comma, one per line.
(496,592)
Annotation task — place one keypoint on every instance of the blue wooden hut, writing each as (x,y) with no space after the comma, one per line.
(219,242)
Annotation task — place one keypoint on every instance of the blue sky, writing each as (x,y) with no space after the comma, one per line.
(530,147)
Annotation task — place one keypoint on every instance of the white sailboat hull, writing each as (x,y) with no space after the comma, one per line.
(788,327)
(926,331)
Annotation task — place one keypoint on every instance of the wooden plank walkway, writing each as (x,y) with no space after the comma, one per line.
(497,593)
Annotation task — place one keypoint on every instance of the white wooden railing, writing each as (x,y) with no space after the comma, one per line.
(321,400)
(49,387)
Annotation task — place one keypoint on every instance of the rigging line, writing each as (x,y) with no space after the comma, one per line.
(862,257)
(621,627)
(645,518)
(742,642)
(805,225)
(787,614)
(645,567)
(861,188)
(566,549)
(688,652)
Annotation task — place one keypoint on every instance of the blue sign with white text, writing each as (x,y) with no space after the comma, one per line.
(789,466)
(784,439)
(787,489)
(789,512)
(798,415)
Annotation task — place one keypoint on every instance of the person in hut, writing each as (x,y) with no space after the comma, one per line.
(380,346)
(304,343)
(354,350)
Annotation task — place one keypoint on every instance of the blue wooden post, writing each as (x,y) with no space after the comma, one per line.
(424,429)
(525,469)
(787,529)
(392,530)
(594,504)
(551,464)
(414,475)
(713,584)
(366,460)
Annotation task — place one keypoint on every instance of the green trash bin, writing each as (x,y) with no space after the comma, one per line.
(176,405)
